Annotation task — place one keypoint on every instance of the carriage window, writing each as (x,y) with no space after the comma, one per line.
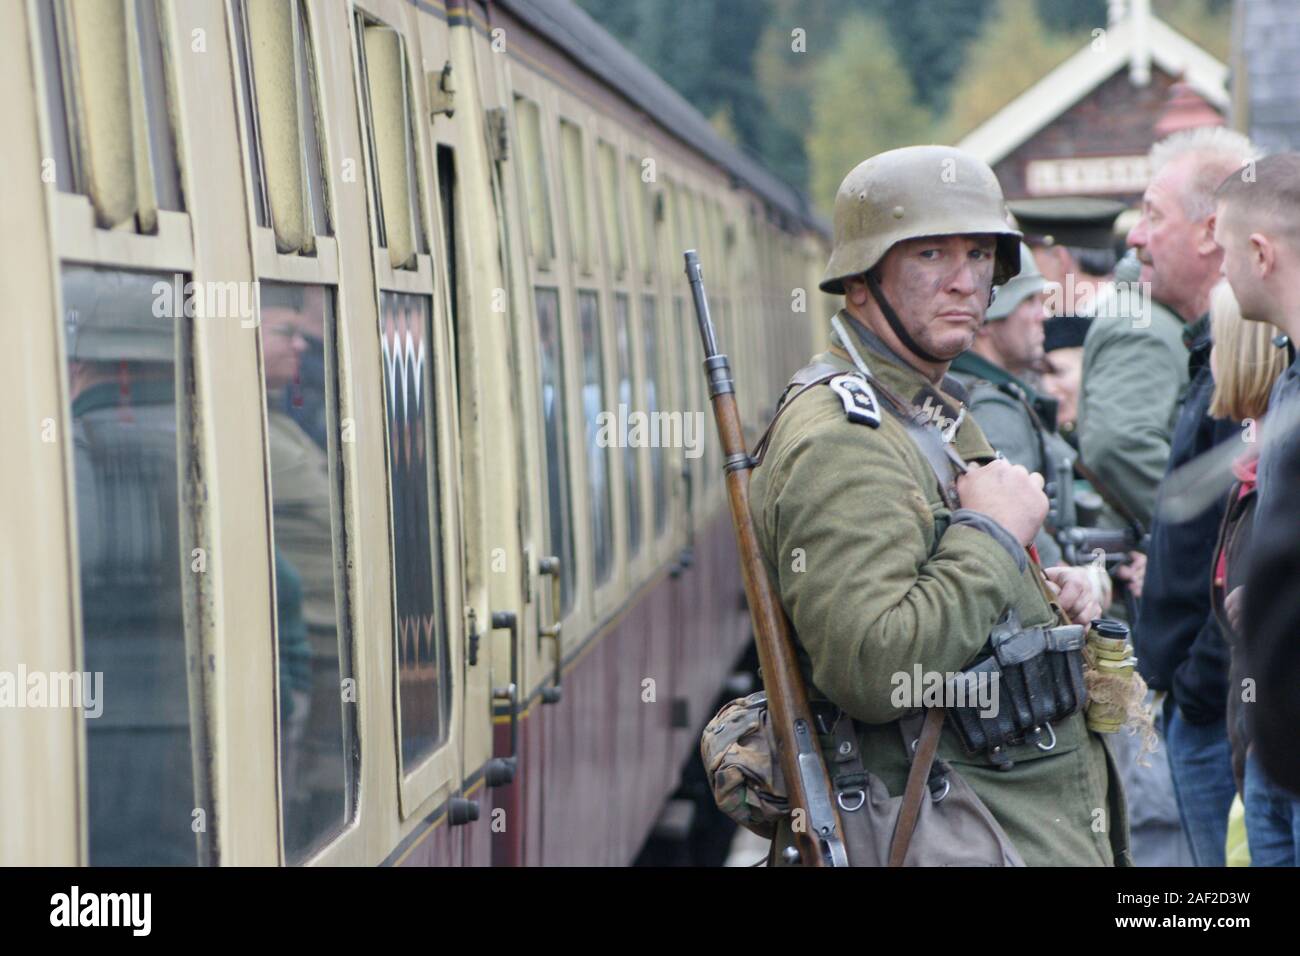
(309,122)
(598,448)
(162,150)
(91,68)
(554,412)
(261,205)
(615,251)
(573,162)
(276,78)
(626,391)
(389,114)
(423,660)
(53,59)
(642,228)
(317,730)
(122,383)
(653,396)
(535,192)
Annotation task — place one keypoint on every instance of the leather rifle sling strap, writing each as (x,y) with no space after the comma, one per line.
(927,746)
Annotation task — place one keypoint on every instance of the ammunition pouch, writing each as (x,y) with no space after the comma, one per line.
(1038,673)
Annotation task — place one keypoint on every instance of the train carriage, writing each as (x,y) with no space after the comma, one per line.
(328,321)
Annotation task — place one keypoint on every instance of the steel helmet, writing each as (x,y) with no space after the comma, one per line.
(1025,283)
(913,192)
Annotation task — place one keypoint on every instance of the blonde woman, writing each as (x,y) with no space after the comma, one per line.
(1245,365)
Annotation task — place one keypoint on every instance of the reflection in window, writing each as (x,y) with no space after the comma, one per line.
(554,412)
(122,385)
(424,671)
(317,735)
(598,458)
(631,477)
(653,395)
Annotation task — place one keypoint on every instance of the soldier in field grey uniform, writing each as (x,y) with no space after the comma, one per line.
(911,561)
(1016,420)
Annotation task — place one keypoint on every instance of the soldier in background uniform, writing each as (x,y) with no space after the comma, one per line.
(1017,421)
(1062,370)
(887,556)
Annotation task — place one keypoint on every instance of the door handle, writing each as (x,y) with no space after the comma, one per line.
(501,770)
(686,556)
(551,566)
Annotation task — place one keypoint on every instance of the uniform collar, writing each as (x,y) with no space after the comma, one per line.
(891,368)
(940,405)
(971,363)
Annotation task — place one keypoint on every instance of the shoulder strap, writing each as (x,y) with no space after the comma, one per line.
(926,747)
(937,452)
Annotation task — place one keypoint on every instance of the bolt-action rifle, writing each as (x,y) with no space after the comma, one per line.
(820,842)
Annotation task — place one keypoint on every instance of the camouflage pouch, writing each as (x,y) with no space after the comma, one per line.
(739,757)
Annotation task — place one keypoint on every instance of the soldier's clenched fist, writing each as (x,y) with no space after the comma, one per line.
(1007,493)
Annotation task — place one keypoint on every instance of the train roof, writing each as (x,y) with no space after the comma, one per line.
(580,37)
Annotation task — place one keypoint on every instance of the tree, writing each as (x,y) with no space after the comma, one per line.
(865,103)
(1013,53)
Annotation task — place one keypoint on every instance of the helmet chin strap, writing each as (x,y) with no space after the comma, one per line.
(891,317)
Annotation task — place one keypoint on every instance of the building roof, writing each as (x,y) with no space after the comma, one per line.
(580,37)
(1136,42)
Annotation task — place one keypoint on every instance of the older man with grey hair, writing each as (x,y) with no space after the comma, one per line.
(1163,422)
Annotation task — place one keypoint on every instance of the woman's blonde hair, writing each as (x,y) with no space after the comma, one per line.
(1246,361)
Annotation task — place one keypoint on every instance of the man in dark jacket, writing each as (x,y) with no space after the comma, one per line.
(1256,225)
(1179,646)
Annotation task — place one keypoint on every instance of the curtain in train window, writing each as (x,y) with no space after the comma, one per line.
(654,394)
(107,99)
(122,384)
(317,729)
(574,168)
(599,441)
(554,413)
(615,251)
(423,657)
(626,391)
(536,195)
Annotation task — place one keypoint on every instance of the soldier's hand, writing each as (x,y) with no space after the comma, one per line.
(1008,494)
(1075,592)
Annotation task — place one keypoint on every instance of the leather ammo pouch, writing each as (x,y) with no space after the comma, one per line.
(953,826)
(1038,674)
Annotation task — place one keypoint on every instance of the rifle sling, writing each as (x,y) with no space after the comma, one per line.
(926,748)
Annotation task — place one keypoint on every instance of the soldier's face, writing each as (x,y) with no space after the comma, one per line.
(939,286)
(1019,337)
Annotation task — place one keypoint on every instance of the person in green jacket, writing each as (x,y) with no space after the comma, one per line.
(996,371)
(888,561)
(1134,377)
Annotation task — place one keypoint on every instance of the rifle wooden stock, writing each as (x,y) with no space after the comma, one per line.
(820,839)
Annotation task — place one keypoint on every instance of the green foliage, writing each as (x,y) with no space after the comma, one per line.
(813,88)
(864,104)
(1013,53)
